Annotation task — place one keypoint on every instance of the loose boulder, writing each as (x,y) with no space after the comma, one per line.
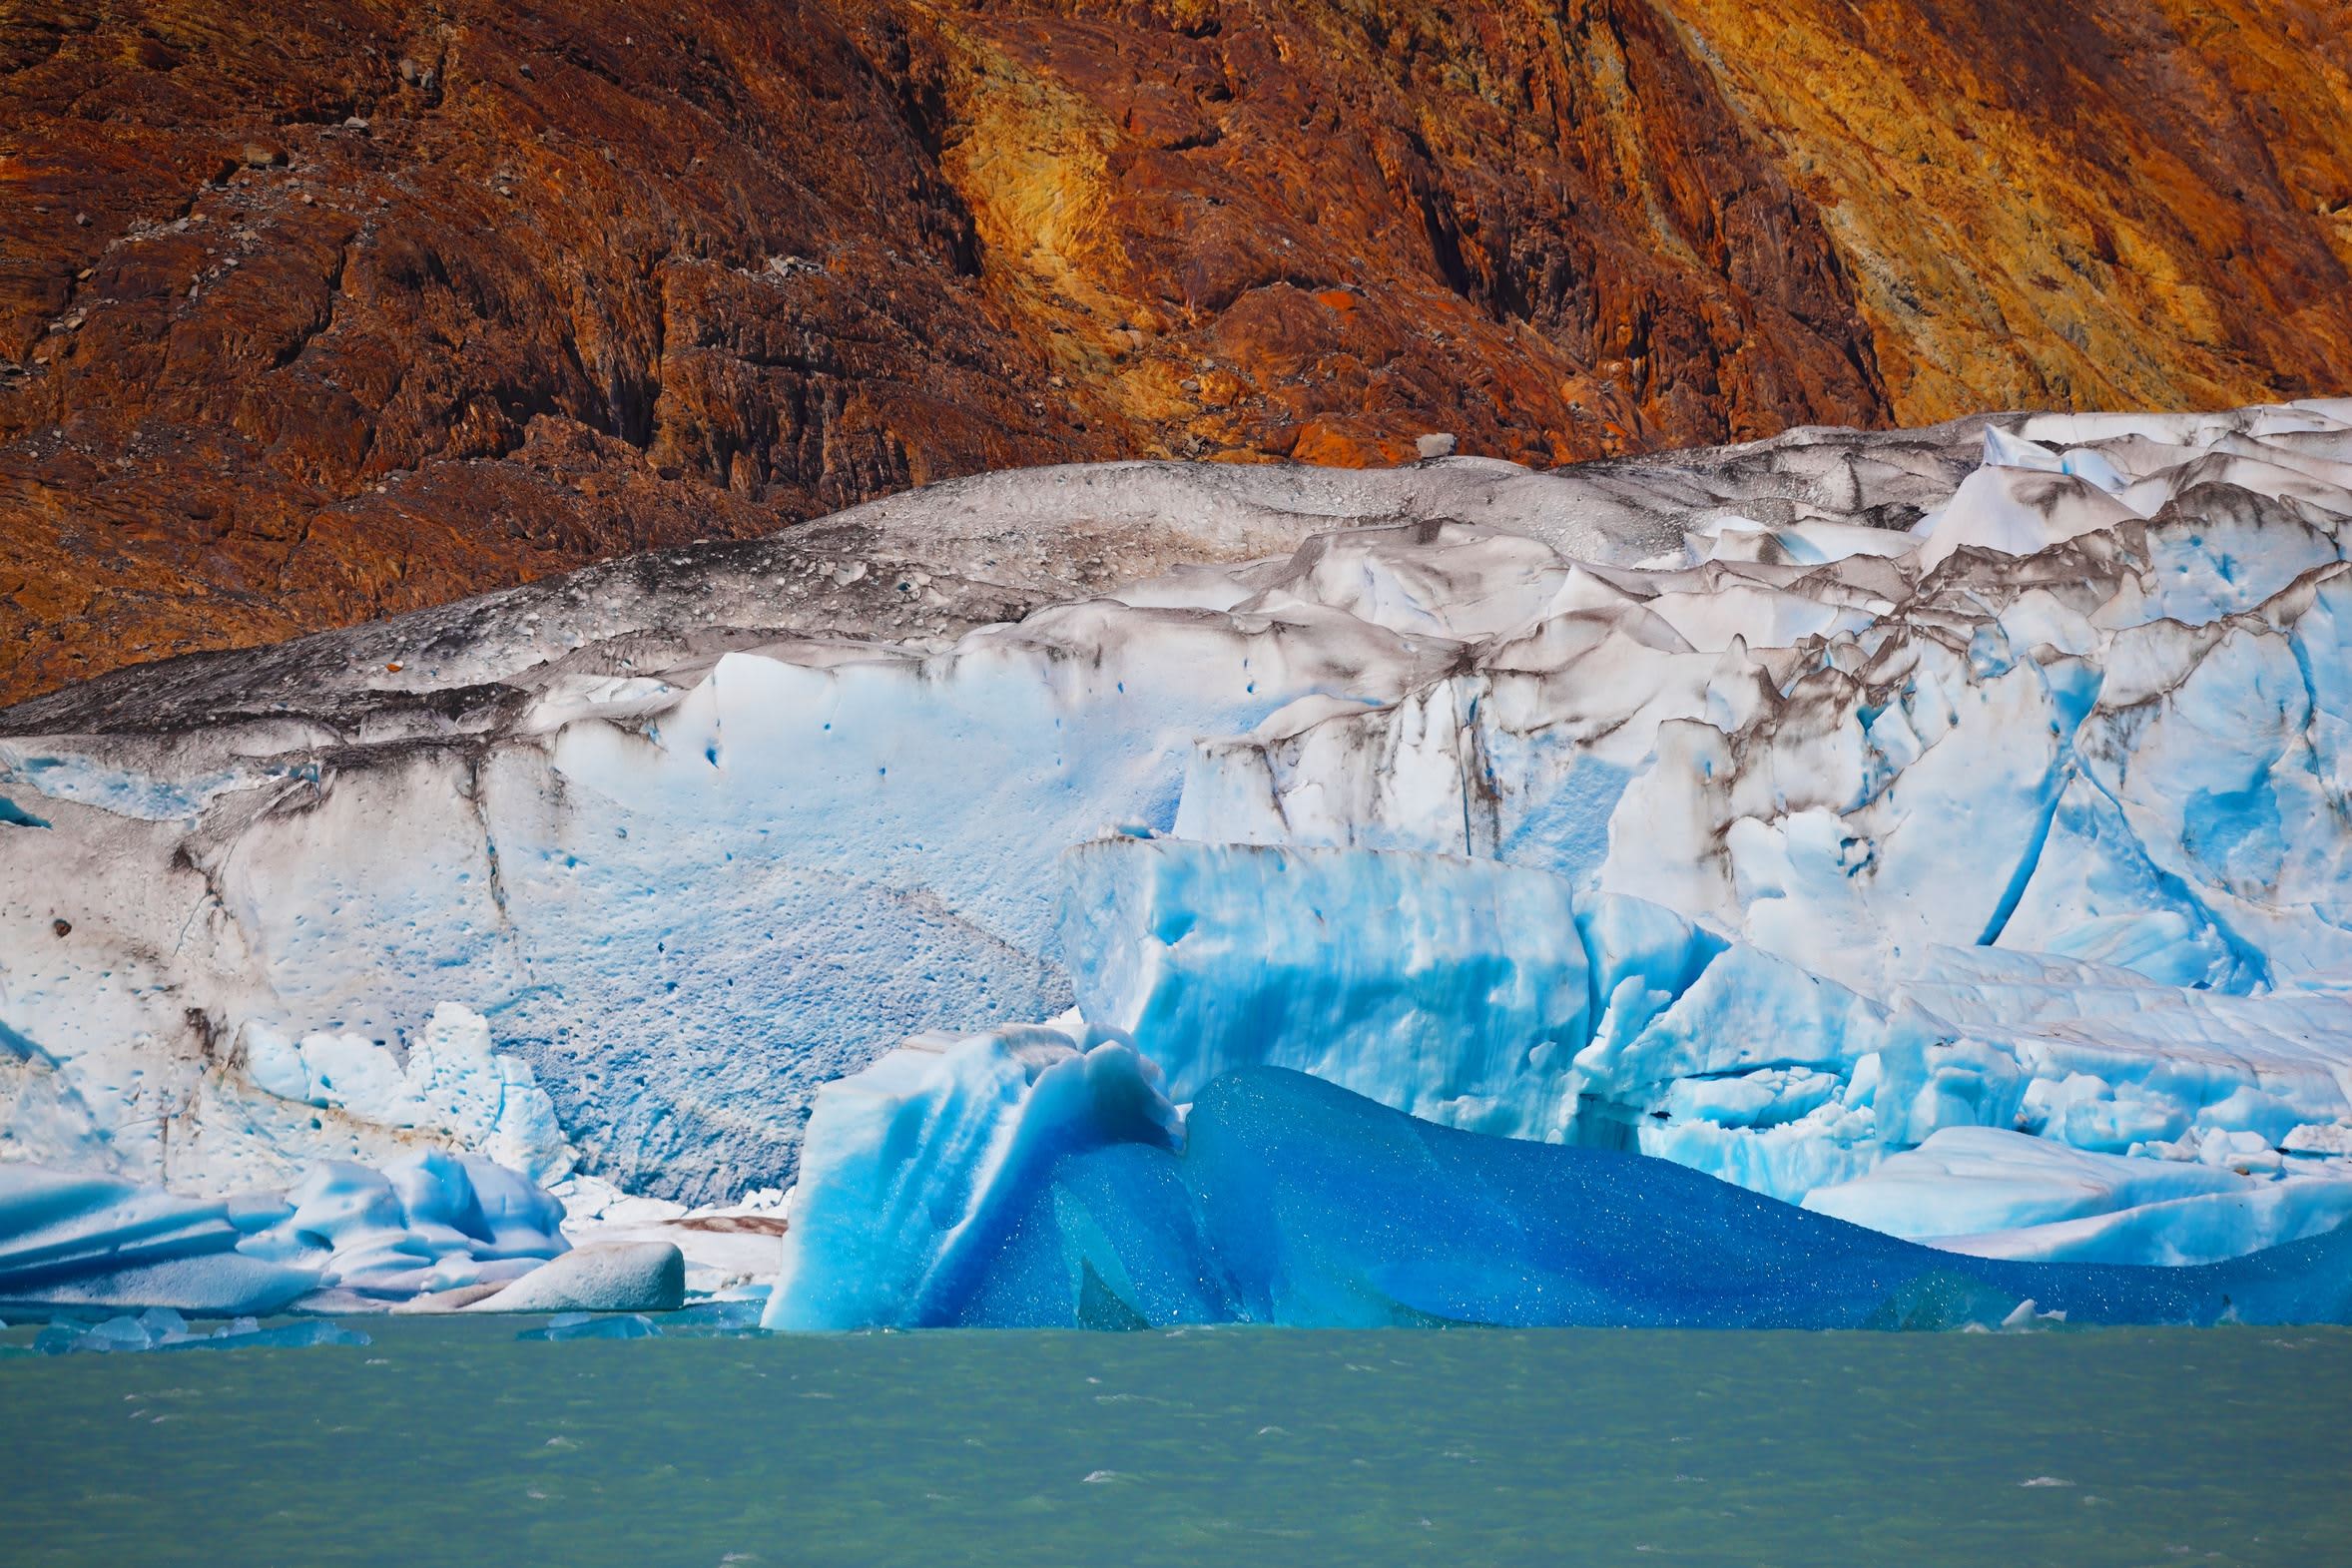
(628,1277)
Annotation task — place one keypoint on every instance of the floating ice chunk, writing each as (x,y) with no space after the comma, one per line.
(74,1238)
(148,1331)
(116,1336)
(245,1334)
(580,1326)
(431,1222)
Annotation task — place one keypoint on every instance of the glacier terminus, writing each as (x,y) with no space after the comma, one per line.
(1862,879)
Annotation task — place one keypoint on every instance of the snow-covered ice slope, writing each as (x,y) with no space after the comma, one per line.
(1833,792)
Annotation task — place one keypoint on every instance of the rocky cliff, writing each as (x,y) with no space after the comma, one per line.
(310,314)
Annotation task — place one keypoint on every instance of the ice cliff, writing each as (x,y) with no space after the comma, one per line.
(1940,829)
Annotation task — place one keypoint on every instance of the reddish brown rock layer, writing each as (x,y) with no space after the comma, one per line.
(321,313)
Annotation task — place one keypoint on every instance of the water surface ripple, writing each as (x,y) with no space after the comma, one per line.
(452,1441)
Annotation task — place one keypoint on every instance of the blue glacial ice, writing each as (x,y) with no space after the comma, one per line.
(582,1325)
(1491,997)
(427,1223)
(95,1241)
(1293,1201)
(345,1235)
(1454,989)
(923,1150)
(1997,1193)
(1943,829)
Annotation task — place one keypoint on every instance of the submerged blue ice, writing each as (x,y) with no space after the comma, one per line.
(162,1328)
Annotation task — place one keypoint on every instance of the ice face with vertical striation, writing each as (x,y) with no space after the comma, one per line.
(1453,989)
(1778,811)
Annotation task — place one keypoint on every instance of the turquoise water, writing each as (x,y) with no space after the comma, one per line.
(450,1442)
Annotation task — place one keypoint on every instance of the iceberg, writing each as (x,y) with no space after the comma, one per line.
(431,1222)
(1293,1201)
(640,1277)
(1329,1209)
(345,1236)
(74,1238)
(165,1329)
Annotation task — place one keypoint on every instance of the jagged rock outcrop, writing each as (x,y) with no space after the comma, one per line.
(313,314)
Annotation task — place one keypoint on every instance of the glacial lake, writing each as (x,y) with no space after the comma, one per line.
(448,1441)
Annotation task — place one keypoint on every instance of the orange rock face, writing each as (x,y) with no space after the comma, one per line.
(2120,203)
(312,313)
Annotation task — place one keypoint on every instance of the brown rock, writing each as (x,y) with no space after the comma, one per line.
(563,282)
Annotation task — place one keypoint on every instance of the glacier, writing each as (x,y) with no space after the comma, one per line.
(1940,831)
